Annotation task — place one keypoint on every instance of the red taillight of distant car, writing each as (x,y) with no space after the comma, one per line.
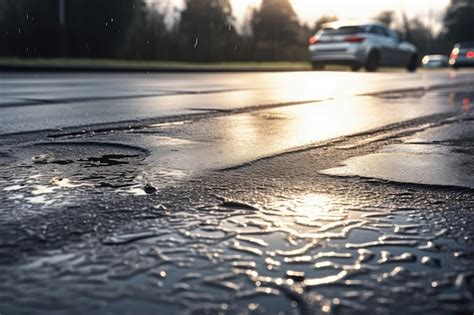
(454,53)
(355,39)
(313,40)
(470,54)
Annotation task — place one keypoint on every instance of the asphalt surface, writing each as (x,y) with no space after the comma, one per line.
(31,102)
(300,193)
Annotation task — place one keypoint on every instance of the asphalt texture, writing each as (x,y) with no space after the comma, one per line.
(32,102)
(294,193)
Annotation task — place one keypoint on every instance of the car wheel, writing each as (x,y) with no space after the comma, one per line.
(355,67)
(413,64)
(373,61)
(317,66)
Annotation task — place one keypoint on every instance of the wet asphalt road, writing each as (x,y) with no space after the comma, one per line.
(30,102)
(300,193)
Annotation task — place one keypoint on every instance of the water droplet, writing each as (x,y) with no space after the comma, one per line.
(431,261)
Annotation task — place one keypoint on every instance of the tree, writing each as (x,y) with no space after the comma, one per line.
(275,20)
(459,21)
(93,28)
(323,20)
(29,28)
(276,30)
(419,34)
(386,17)
(206,30)
(98,28)
(148,37)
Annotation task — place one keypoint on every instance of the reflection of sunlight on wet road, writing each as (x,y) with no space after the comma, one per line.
(328,85)
(249,136)
(84,100)
(320,239)
(306,216)
(185,148)
(310,87)
(245,137)
(314,206)
(439,155)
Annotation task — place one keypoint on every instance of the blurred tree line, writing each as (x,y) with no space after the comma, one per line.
(204,30)
(458,26)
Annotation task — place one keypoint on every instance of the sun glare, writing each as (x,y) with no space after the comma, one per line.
(241,7)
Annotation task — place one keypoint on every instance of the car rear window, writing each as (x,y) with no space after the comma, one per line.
(343,30)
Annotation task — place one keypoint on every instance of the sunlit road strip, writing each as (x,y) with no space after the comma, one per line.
(65,100)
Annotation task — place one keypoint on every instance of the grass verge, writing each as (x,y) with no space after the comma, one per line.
(129,64)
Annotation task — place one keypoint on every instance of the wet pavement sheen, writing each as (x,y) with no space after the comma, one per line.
(43,101)
(241,213)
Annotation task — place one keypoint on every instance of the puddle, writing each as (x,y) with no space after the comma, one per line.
(440,156)
(108,160)
(54,174)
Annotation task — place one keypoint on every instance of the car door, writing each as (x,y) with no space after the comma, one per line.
(385,45)
(400,53)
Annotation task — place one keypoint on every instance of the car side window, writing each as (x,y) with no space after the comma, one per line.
(372,29)
(368,29)
(381,31)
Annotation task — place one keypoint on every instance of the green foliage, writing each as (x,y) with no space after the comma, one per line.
(277,32)
(275,21)
(206,31)
(94,28)
(28,27)
(148,37)
(100,28)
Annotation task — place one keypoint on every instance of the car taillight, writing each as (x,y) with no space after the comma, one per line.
(313,40)
(470,54)
(455,53)
(355,39)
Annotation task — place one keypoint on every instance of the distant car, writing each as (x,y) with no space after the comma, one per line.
(361,44)
(435,61)
(462,55)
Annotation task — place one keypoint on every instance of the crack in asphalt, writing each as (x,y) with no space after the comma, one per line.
(70,100)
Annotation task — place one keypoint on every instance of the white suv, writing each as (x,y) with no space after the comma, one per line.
(357,45)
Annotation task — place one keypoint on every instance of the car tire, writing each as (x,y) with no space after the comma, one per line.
(317,66)
(413,63)
(355,67)
(373,61)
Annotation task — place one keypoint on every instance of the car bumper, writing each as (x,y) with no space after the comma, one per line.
(462,62)
(350,55)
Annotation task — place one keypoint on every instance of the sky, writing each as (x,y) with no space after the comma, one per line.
(431,11)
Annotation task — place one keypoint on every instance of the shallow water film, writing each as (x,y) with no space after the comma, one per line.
(188,216)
